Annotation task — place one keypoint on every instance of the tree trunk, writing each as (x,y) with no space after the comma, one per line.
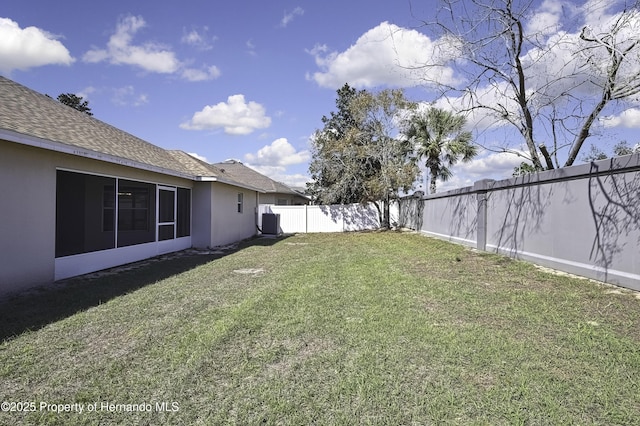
(385,220)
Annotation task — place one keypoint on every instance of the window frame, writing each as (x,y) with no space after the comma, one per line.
(166,223)
(240,206)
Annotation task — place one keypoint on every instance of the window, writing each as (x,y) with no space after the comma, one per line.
(136,213)
(282,202)
(133,208)
(240,202)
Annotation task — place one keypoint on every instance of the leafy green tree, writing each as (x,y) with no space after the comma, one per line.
(441,140)
(75,102)
(329,172)
(524,169)
(594,154)
(356,158)
(623,148)
(619,149)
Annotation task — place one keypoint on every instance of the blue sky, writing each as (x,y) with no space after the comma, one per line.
(248,80)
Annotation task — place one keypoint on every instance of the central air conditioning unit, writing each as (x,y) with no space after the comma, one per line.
(270,223)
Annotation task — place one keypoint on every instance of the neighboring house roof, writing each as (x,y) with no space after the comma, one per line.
(31,118)
(241,173)
(207,171)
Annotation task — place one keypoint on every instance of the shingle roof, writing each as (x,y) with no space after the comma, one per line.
(241,173)
(193,165)
(202,169)
(31,113)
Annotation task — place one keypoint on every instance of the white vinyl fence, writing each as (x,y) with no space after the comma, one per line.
(333,218)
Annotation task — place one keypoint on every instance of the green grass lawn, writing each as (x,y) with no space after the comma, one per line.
(359,328)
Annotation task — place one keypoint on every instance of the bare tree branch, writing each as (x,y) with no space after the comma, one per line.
(551,84)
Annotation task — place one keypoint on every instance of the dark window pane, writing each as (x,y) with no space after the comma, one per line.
(133,208)
(109,200)
(136,213)
(166,212)
(184,213)
(109,204)
(108,219)
(165,232)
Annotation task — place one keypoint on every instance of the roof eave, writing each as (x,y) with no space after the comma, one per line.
(228,182)
(50,145)
(36,142)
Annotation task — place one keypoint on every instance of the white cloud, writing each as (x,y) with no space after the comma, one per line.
(198,156)
(193,74)
(251,47)
(151,57)
(629,118)
(236,116)
(546,19)
(385,55)
(288,17)
(455,182)
(595,12)
(21,49)
(272,160)
(279,174)
(84,93)
(127,96)
(279,153)
(492,165)
(199,39)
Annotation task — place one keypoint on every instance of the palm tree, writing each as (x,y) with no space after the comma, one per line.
(441,140)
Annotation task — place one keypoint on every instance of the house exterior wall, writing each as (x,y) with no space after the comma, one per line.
(27,217)
(201,209)
(28,212)
(226,225)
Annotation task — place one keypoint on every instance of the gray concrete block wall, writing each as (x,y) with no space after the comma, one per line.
(583,219)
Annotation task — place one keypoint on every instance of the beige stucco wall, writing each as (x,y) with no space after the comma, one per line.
(28,208)
(27,218)
(201,205)
(227,225)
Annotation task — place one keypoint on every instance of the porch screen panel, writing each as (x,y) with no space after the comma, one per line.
(166,214)
(84,213)
(183,227)
(136,213)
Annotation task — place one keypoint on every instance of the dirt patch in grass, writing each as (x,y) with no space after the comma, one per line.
(248,271)
(292,353)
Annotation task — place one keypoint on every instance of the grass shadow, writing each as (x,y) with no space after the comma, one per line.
(35,308)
